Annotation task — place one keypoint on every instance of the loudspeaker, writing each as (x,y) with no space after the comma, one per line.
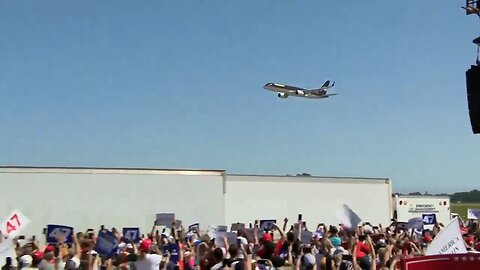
(473,97)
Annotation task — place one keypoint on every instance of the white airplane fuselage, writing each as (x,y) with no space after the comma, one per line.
(287,90)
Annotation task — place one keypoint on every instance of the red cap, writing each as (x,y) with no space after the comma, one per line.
(145,245)
(37,255)
(49,249)
(267,237)
(427,238)
(470,240)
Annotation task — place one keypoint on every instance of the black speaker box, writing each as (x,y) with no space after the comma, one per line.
(473,97)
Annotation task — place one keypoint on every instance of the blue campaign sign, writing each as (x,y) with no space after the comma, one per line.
(429,219)
(54,232)
(107,244)
(132,234)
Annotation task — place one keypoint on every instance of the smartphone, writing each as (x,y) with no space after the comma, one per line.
(299,217)
(250,226)
(21,237)
(44,231)
(262,261)
(156,232)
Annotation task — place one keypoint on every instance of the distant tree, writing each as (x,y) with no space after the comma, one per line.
(466,197)
(415,193)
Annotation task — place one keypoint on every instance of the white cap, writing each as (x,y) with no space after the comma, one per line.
(26,260)
(367,229)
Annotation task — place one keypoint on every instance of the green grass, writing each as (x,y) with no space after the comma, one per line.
(461,208)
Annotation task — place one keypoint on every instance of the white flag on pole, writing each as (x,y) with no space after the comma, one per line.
(349,218)
(448,241)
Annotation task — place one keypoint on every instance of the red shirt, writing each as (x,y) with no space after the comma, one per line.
(278,247)
(362,250)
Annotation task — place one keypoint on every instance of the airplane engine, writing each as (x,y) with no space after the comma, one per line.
(282,95)
(300,92)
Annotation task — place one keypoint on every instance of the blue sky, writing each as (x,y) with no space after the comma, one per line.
(178,84)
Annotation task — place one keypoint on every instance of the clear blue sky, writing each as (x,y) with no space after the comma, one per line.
(179,85)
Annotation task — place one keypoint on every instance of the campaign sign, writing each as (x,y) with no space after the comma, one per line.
(450,262)
(7,249)
(231,237)
(132,234)
(237,227)
(165,219)
(250,233)
(429,219)
(415,223)
(59,232)
(194,227)
(178,224)
(220,234)
(14,224)
(267,224)
(306,237)
(448,241)
(107,244)
(473,213)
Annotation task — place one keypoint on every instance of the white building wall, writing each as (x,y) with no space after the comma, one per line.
(83,198)
(319,199)
(86,197)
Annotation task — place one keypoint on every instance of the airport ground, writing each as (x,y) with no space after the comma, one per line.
(461,208)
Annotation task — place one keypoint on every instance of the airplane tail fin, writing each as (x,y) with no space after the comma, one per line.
(326,84)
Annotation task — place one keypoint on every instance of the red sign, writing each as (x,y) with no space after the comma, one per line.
(450,262)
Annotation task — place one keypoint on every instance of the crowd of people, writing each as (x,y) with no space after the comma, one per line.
(364,247)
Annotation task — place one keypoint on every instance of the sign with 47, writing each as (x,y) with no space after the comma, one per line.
(59,233)
(14,224)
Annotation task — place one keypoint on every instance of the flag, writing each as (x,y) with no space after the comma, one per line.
(415,223)
(448,241)
(349,218)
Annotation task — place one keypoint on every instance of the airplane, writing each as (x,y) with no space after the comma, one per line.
(284,91)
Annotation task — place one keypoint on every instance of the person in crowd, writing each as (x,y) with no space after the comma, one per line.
(365,247)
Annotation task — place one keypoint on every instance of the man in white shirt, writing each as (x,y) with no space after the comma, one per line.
(145,260)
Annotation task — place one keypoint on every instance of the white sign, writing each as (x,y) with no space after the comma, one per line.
(448,241)
(6,250)
(165,219)
(220,235)
(473,213)
(306,237)
(231,238)
(14,224)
